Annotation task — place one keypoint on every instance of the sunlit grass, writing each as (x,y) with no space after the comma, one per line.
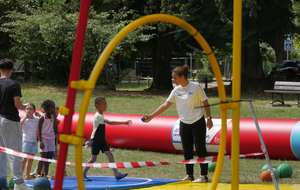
(140,103)
(249,170)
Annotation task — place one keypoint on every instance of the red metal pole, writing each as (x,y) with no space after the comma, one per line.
(71,96)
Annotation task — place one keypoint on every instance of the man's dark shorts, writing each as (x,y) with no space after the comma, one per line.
(96,147)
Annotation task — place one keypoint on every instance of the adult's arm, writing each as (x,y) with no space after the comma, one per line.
(18,103)
(158,111)
(207,110)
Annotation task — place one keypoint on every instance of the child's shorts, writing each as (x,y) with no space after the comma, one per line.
(29,147)
(95,148)
(49,145)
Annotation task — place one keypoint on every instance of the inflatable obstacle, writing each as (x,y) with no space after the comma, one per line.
(162,134)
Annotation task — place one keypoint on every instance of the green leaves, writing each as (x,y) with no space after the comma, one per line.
(204,74)
(46,38)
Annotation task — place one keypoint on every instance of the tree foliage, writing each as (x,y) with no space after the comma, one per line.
(204,74)
(264,21)
(45,38)
(161,46)
(43,33)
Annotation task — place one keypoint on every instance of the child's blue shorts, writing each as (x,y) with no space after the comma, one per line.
(29,147)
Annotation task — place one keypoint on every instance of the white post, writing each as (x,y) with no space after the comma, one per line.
(287,55)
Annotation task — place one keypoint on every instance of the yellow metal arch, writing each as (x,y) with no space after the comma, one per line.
(88,86)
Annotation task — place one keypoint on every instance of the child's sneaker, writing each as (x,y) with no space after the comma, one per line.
(201,179)
(121,176)
(189,177)
(86,178)
(33,173)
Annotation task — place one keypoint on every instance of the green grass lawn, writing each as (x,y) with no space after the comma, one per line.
(130,99)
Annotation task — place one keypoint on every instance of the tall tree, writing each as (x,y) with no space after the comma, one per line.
(282,17)
(160,46)
(214,21)
(263,21)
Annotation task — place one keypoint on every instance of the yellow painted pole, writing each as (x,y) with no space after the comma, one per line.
(78,166)
(222,149)
(236,92)
(111,46)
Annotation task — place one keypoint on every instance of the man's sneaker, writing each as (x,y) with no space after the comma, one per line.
(201,179)
(86,178)
(22,186)
(121,176)
(189,177)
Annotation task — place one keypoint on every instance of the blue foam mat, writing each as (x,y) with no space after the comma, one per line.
(105,182)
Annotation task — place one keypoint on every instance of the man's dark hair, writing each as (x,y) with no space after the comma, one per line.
(6,64)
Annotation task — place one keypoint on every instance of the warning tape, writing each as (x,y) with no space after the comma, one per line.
(202,160)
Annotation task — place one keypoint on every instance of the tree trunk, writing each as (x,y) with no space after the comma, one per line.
(161,57)
(105,79)
(252,75)
(109,84)
(117,60)
(278,45)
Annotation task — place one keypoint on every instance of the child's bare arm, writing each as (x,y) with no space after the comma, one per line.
(128,122)
(23,120)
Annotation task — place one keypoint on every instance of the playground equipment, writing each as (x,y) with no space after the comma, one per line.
(88,86)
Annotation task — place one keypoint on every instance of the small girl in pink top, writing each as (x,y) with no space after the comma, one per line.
(46,127)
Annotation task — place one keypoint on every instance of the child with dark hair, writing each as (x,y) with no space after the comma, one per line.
(10,127)
(98,141)
(55,153)
(46,134)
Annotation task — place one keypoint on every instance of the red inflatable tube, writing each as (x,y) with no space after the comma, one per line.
(276,133)
(281,136)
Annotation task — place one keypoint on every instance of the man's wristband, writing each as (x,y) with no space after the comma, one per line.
(209,117)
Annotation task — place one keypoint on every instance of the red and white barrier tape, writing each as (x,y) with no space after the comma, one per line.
(128,164)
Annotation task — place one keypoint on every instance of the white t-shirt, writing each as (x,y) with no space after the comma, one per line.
(186,99)
(29,129)
(98,119)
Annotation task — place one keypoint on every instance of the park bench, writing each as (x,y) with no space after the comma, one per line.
(285,87)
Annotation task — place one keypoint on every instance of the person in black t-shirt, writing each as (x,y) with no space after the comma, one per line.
(10,127)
